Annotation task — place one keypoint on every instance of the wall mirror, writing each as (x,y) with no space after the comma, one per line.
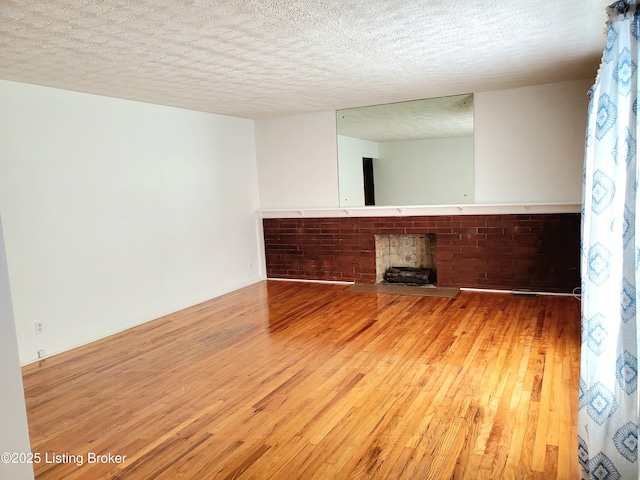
(409,153)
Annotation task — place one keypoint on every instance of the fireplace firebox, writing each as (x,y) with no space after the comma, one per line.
(406,259)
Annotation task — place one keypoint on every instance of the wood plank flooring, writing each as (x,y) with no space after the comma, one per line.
(285,380)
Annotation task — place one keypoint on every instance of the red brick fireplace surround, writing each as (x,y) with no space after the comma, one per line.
(539,252)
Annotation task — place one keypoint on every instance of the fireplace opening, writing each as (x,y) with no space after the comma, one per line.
(406,259)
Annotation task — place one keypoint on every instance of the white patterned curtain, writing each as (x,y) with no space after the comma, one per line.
(608,410)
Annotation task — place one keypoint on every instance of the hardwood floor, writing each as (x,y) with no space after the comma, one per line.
(286,380)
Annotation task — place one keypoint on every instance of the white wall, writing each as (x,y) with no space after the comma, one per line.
(350,174)
(529,147)
(529,143)
(425,172)
(117,212)
(14,434)
(297,161)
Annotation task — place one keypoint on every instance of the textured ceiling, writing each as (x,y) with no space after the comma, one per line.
(267,58)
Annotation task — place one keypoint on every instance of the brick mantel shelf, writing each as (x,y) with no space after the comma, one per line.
(423,210)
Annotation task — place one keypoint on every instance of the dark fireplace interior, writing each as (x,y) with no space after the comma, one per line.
(406,259)
(414,276)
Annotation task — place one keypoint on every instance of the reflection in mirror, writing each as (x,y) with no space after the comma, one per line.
(409,153)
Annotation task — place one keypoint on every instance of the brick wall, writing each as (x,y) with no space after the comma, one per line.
(539,252)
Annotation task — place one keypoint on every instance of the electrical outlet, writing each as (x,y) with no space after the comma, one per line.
(39,328)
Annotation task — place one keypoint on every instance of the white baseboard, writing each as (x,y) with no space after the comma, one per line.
(518,292)
(330,282)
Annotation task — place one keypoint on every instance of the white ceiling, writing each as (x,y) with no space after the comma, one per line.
(268,58)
